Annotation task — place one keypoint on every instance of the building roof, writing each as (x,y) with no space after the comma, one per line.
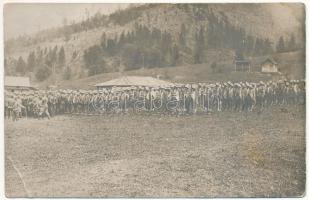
(17,81)
(271,60)
(242,62)
(126,81)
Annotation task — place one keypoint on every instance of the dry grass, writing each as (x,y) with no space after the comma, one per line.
(219,155)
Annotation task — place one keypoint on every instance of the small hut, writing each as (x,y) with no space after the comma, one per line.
(269,66)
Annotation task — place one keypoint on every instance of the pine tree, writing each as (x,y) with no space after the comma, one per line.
(213,67)
(122,38)
(200,46)
(66,29)
(48,58)
(7,67)
(54,56)
(31,61)
(280,46)
(174,55)
(111,47)
(103,40)
(39,58)
(61,57)
(21,66)
(258,46)
(196,55)
(67,73)
(249,44)
(267,47)
(43,73)
(292,43)
(94,61)
(182,35)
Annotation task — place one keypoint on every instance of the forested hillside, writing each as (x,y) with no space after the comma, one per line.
(154,36)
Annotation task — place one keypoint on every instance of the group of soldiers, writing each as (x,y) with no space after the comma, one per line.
(177,99)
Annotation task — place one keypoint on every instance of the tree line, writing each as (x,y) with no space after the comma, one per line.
(40,62)
(145,48)
(139,48)
(287,45)
(222,34)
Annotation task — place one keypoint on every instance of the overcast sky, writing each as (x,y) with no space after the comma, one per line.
(27,18)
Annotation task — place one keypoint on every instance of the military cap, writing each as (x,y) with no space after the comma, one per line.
(194,86)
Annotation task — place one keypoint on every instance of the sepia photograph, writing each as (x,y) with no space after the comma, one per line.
(152,100)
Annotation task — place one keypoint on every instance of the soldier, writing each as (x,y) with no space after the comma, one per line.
(153,93)
(261,92)
(189,100)
(218,97)
(62,102)
(147,99)
(52,103)
(17,108)
(44,109)
(113,104)
(246,99)
(225,91)
(207,98)
(165,97)
(231,91)
(10,100)
(30,107)
(173,101)
(252,94)
(5,104)
(267,94)
(158,99)
(124,98)
(75,101)
(237,97)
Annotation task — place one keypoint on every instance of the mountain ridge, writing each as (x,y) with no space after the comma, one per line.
(261,20)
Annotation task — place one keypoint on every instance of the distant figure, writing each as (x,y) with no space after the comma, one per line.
(44,109)
(17,108)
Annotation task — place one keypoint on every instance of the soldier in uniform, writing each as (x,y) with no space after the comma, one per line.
(225,96)
(173,101)
(44,109)
(252,96)
(158,99)
(9,103)
(245,97)
(17,108)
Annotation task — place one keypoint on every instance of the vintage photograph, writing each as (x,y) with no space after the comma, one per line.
(154,100)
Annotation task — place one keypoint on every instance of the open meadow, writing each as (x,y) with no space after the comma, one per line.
(229,154)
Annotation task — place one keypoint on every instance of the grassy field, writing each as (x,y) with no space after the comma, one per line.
(219,155)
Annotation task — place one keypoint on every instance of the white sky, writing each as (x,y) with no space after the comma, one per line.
(26,18)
